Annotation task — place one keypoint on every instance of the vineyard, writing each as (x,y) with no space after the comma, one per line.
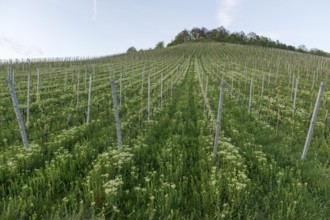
(165,165)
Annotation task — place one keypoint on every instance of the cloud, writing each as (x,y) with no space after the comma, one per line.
(224,15)
(94,10)
(15,47)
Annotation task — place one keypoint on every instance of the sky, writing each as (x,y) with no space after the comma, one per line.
(87,28)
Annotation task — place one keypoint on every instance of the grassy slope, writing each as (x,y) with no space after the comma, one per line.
(167,169)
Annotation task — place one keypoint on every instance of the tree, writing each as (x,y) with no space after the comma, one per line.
(131,50)
(160,45)
(205,31)
(318,52)
(181,38)
(302,48)
(221,34)
(253,37)
(198,33)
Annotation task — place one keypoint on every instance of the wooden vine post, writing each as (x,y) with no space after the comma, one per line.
(250,97)
(313,121)
(206,86)
(142,80)
(120,89)
(78,81)
(262,84)
(38,79)
(65,79)
(17,112)
(295,98)
(148,99)
(161,90)
(218,125)
(115,107)
(28,103)
(89,98)
(232,84)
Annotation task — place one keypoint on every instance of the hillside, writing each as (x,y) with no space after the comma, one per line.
(167,167)
(223,35)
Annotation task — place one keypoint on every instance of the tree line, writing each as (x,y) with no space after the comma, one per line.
(221,34)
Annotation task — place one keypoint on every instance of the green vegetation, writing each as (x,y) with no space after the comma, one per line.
(131,50)
(221,34)
(160,45)
(166,169)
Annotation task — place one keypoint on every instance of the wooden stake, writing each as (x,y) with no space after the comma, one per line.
(17,112)
(89,98)
(161,90)
(38,80)
(115,106)
(313,121)
(250,98)
(218,126)
(78,83)
(28,103)
(148,99)
(120,88)
(295,98)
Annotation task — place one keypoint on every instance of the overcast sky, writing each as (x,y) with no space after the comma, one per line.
(62,28)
